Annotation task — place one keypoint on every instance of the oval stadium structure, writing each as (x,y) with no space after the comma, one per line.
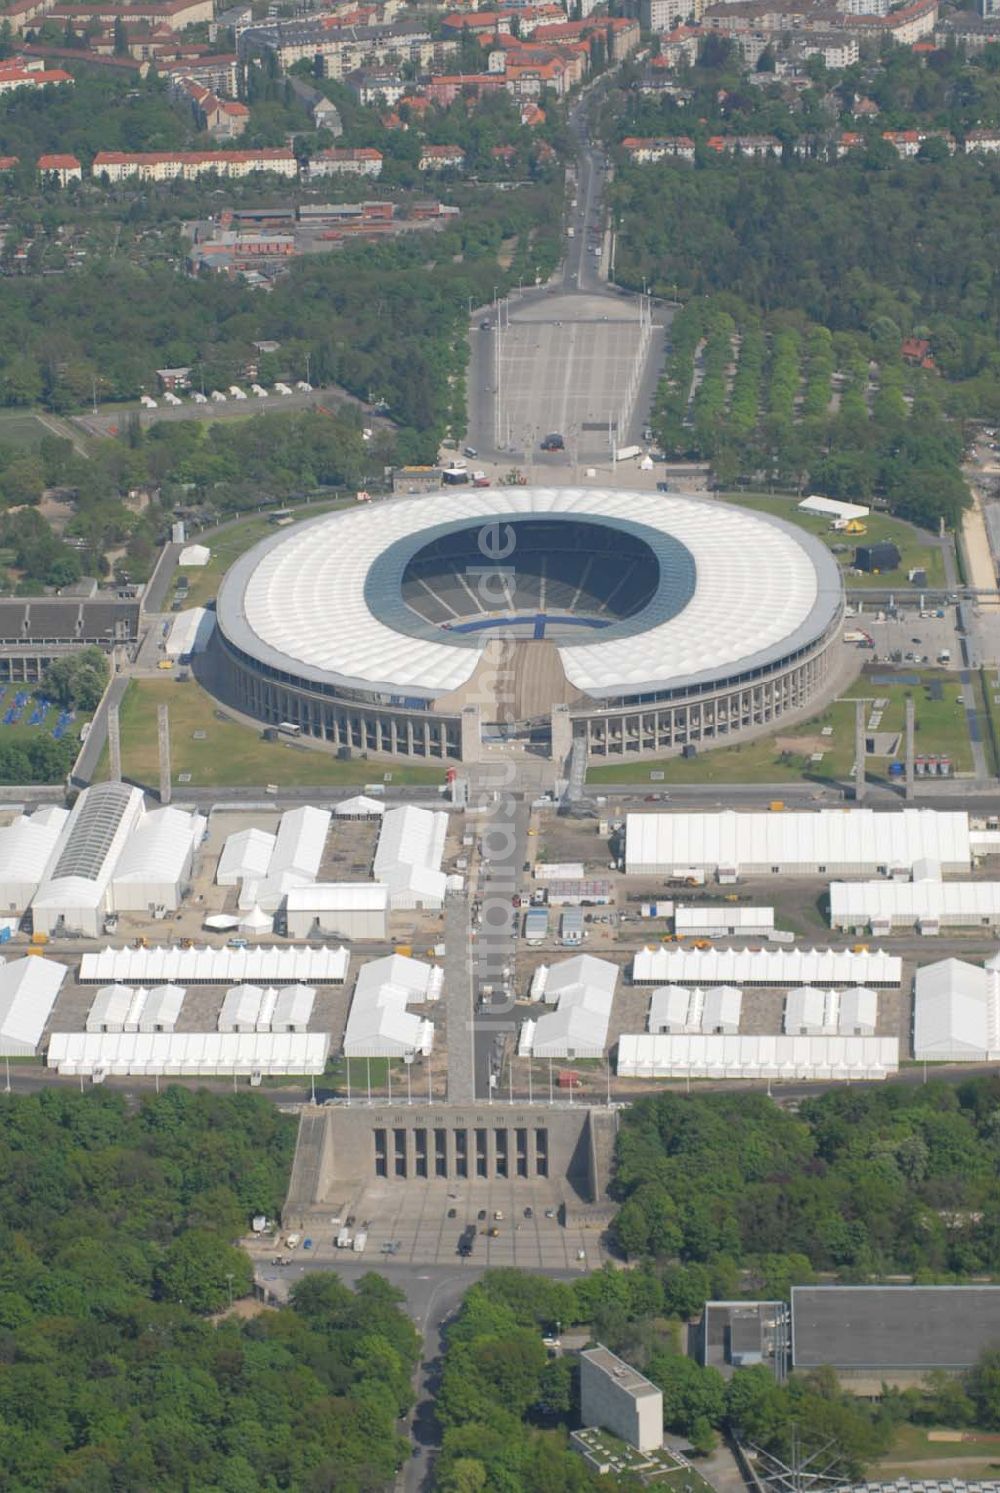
(426,627)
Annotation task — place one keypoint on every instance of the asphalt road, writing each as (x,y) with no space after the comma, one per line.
(433,1296)
(505,839)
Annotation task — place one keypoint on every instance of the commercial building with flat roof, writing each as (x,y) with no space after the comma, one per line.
(616,1396)
(892,1332)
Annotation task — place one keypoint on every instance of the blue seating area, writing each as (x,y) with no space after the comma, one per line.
(12,712)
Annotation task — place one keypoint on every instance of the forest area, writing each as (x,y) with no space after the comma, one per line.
(806,288)
(863,1182)
(117,1225)
(387,321)
(777,400)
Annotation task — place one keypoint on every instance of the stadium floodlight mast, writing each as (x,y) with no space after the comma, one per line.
(815,1472)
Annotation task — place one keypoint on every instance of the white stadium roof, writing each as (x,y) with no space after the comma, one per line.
(645,1056)
(301,601)
(792,840)
(28,990)
(200,1054)
(778,967)
(266,964)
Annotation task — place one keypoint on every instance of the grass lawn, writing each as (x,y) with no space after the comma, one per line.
(988,697)
(20,733)
(911,1445)
(226,547)
(231,754)
(941,729)
(916,550)
(22,432)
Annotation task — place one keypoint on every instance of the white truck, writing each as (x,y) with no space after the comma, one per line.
(360,1240)
(628,453)
(343,1238)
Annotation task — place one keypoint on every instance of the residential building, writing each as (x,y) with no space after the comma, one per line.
(907,143)
(347,161)
(225,119)
(235,19)
(848,141)
(377,85)
(117,165)
(59,168)
(616,1397)
(447,87)
(837,50)
(441,158)
(667,15)
(982,142)
(971,32)
(910,24)
(174,14)
(672,147)
(218,73)
(30,72)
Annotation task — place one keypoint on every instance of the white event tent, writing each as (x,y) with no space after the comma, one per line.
(254,1055)
(408,856)
(378,1024)
(264,964)
(583,988)
(28,990)
(779,1058)
(670,965)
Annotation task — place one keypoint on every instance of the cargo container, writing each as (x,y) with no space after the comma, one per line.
(536,925)
(571,927)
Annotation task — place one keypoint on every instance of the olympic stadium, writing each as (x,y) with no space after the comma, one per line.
(437,627)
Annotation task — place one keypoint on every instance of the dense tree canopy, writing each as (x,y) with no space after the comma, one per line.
(844,244)
(116,1230)
(861,1181)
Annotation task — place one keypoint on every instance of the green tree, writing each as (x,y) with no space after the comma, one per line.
(204,1272)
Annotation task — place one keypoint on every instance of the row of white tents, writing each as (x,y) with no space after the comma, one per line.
(265,964)
(778,967)
(253,1055)
(762,1057)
